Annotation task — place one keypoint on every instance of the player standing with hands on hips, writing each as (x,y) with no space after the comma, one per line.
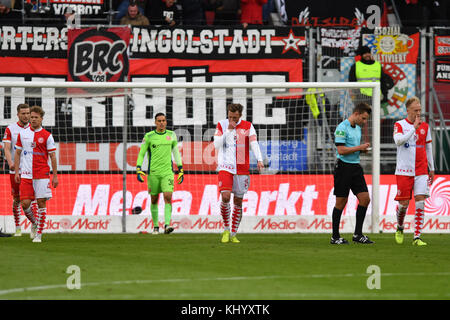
(233,139)
(33,148)
(159,145)
(414,169)
(348,174)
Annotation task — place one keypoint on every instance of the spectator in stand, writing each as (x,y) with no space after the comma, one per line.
(226,12)
(251,12)
(164,12)
(70,19)
(122,8)
(193,12)
(7,15)
(423,13)
(134,17)
(268,8)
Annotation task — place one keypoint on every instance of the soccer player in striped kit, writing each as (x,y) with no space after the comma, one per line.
(9,141)
(233,139)
(415,168)
(33,148)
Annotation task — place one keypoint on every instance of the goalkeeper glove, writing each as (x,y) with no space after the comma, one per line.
(140,174)
(180,175)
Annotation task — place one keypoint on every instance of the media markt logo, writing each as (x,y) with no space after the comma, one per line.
(302,223)
(98,55)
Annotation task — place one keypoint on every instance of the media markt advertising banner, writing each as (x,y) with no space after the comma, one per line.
(275,203)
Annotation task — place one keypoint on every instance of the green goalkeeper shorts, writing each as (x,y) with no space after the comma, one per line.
(158,184)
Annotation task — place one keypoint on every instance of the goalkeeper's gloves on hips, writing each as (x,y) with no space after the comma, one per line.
(180,175)
(140,174)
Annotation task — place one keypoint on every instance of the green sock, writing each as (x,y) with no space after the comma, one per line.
(154,211)
(167,213)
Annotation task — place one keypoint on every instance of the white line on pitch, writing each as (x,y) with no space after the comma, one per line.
(124,282)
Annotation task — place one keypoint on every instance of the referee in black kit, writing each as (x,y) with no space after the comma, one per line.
(348,173)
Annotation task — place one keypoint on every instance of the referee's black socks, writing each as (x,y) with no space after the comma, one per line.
(360,215)
(336,222)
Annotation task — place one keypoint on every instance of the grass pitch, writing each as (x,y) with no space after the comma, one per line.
(199,267)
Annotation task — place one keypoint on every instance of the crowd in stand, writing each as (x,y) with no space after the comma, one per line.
(144,12)
(189,12)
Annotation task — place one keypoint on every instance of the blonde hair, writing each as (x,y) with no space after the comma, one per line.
(411,100)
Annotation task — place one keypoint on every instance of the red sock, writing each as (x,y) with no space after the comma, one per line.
(29,214)
(236,220)
(225,212)
(401,212)
(16,213)
(34,207)
(418,218)
(42,214)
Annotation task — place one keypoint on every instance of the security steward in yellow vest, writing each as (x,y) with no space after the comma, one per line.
(368,70)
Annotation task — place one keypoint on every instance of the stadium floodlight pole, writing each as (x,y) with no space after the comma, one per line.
(376,116)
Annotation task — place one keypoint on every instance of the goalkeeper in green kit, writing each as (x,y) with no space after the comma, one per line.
(160,144)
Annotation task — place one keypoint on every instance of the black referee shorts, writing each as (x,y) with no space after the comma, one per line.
(348,176)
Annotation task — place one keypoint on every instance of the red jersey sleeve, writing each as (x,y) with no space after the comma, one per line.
(7,136)
(397,128)
(219,130)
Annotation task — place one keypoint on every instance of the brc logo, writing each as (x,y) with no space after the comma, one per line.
(98,58)
(98,55)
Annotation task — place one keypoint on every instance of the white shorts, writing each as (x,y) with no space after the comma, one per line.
(42,189)
(238,184)
(421,186)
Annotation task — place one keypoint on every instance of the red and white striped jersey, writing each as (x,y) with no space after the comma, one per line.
(234,155)
(411,155)
(11,134)
(36,145)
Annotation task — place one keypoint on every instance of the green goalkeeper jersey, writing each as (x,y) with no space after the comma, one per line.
(159,147)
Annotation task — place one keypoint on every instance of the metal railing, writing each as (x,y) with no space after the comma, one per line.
(439,124)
